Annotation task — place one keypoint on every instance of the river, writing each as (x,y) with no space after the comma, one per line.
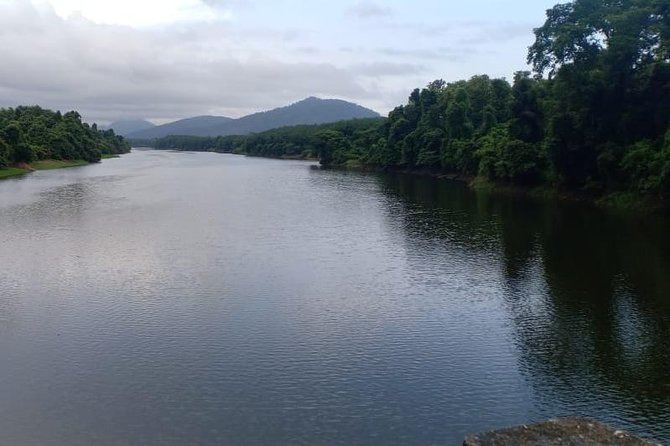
(170,298)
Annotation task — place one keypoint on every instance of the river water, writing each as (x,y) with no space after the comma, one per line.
(190,298)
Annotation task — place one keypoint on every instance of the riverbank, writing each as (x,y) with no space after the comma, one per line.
(618,201)
(282,157)
(8,172)
(57,164)
(23,169)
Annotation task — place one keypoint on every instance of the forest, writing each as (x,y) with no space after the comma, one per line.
(593,115)
(29,134)
(298,142)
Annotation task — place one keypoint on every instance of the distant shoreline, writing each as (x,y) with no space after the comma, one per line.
(621,201)
(23,169)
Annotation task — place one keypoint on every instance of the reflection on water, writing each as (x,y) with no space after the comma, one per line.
(176,298)
(587,292)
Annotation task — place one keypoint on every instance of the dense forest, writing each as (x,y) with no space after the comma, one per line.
(593,115)
(30,134)
(303,141)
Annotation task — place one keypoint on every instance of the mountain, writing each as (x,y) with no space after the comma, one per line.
(125,127)
(308,111)
(190,126)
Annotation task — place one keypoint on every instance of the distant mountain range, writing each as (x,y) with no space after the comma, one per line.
(308,111)
(129,126)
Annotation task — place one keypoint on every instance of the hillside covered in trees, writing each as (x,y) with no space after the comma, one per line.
(593,116)
(30,134)
(308,111)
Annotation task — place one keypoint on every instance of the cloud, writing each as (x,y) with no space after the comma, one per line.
(454,53)
(110,71)
(139,13)
(368,10)
(492,33)
(386,69)
(169,59)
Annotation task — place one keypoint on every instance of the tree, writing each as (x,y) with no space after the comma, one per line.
(32,133)
(11,134)
(527,119)
(630,33)
(459,125)
(4,154)
(329,143)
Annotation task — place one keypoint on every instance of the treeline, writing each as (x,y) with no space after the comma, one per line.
(30,134)
(592,116)
(303,141)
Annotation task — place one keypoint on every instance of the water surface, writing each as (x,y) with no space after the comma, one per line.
(177,298)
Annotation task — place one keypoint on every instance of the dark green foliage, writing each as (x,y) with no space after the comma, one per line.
(306,141)
(330,143)
(443,125)
(5,154)
(648,167)
(620,35)
(23,153)
(607,103)
(527,122)
(31,133)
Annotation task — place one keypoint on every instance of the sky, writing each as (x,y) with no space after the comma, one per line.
(164,60)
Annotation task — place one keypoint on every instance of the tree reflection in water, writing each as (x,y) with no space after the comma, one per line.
(587,290)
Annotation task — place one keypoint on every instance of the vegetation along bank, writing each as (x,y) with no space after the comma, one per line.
(35,138)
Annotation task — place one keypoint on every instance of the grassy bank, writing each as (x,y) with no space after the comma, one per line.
(12,172)
(22,169)
(43,165)
(56,164)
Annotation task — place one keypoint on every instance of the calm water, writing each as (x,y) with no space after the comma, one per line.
(174,298)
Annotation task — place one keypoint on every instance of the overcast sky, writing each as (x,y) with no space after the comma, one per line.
(169,59)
